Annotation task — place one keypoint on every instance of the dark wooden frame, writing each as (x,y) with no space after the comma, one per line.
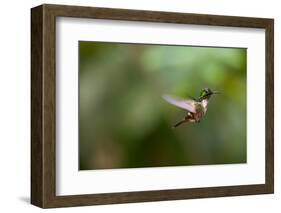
(43,106)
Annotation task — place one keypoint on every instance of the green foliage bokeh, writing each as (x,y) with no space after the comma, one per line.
(125,123)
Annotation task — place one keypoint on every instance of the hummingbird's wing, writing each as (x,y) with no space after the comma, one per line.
(184,104)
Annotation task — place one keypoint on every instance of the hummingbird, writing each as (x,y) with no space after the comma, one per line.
(196,107)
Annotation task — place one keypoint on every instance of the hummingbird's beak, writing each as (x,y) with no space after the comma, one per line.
(216,92)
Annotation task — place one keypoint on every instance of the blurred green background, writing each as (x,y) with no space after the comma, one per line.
(125,123)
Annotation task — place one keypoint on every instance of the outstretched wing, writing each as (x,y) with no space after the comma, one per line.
(184,104)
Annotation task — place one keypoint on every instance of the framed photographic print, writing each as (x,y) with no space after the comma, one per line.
(136,106)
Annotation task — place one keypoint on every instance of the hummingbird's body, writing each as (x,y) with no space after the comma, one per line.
(200,111)
(196,108)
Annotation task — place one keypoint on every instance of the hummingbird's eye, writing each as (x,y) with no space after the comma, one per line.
(208,91)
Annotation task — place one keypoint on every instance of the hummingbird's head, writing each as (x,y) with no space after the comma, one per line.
(206,93)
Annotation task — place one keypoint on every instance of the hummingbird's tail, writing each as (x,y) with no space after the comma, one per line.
(179,123)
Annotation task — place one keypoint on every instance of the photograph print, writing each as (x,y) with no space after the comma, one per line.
(152,105)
